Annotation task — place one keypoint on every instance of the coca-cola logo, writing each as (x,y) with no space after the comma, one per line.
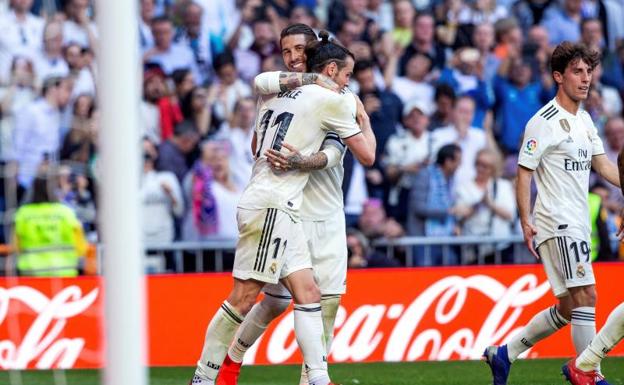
(43,342)
(358,333)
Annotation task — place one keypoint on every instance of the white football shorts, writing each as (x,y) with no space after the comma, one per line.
(567,263)
(271,246)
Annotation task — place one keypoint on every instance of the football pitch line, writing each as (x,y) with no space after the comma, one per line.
(524,372)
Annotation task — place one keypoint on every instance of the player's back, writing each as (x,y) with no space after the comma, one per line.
(301,118)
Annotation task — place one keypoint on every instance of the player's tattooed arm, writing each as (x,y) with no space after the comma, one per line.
(294,160)
(291,80)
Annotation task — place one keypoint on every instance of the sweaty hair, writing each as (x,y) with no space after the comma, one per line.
(448,151)
(299,29)
(568,53)
(324,51)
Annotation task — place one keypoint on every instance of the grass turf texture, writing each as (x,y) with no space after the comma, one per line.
(524,372)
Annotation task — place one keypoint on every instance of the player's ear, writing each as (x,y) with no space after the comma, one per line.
(558,77)
(332,69)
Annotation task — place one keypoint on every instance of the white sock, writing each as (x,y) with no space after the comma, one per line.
(609,336)
(255,323)
(309,333)
(218,338)
(583,327)
(541,326)
(329,308)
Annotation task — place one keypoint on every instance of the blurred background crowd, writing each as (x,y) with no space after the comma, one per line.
(449,86)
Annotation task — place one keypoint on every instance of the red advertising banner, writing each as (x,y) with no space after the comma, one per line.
(387,315)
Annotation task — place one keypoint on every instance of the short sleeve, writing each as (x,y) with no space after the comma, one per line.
(267,83)
(597,146)
(536,143)
(340,116)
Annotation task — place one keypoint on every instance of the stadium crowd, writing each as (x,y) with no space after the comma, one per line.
(448,84)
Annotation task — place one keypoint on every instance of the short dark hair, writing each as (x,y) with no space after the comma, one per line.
(223,59)
(319,53)
(443,89)
(363,65)
(51,82)
(299,29)
(448,151)
(568,53)
(179,74)
(161,19)
(184,128)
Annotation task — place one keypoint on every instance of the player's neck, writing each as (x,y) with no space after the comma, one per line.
(566,102)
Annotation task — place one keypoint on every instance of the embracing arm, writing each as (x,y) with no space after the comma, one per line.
(268,83)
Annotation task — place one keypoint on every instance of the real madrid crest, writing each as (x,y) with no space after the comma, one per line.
(565,125)
(273,268)
(580,271)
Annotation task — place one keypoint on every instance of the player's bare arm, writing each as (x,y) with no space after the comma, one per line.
(607,169)
(291,80)
(294,160)
(523,197)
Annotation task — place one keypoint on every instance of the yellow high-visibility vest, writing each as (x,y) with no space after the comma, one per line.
(49,240)
(594,210)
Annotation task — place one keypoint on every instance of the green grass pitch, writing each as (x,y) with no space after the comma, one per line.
(524,372)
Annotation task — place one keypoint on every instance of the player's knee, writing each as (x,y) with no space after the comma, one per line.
(274,306)
(309,293)
(584,296)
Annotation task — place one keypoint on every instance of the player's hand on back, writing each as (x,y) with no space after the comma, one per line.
(284,162)
(529,232)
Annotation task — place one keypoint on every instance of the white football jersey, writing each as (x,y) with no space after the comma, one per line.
(301,118)
(559,146)
(322,196)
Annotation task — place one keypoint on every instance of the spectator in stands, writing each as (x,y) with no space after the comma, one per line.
(432,204)
(38,129)
(384,109)
(563,21)
(264,45)
(341,12)
(50,61)
(415,84)
(196,106)
(407,152)
(482,11)
(610,97)
(488,203)
(361,255)
(423,40)
(172,153)
(508,37)
(469,139)
(78,27)
(228,87)
(483,39)
(465,75)
(194,35)
(212,195)
(21,34)
(221,18)
(239,133)
(614,142)
(529,12)
(348,33)
(167,54)
(518,98)
(374,223)
(183,82)
(591,34)
(48,237)
(404,13)
(79,145)
(146,39)
(73,191)
(83,79)
(161,200)
(302,14)
(602,224)
(444,104)
(19,93)
(160,108)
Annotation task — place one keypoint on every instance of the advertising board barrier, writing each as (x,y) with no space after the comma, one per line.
(387,315)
